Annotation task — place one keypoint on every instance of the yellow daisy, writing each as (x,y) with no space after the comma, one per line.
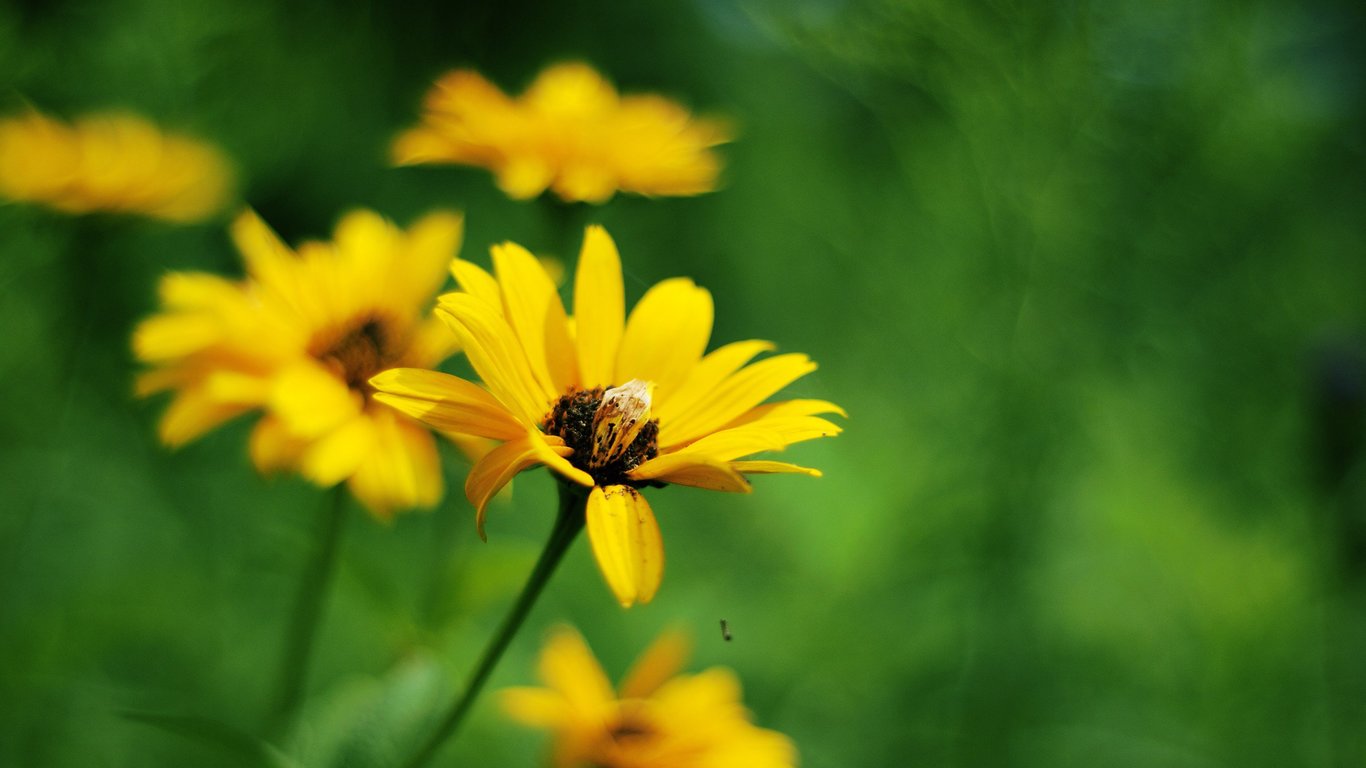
(570,133)
(612,404)
(115,162)
(657,718)
(298,339)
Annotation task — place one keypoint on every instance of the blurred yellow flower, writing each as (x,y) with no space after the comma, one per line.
(569,132)
(298,339)
(609,403)
(658,718)
(116,162)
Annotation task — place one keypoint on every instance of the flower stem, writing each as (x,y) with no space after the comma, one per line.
(568,522)
(307,609)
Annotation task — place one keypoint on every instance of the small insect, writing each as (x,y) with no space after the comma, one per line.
(725,631)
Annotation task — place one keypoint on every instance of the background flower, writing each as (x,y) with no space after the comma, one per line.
(298,339)
(115,162)
(657,717)
(569,132)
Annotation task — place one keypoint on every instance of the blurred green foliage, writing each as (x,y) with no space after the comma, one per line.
(1089,277)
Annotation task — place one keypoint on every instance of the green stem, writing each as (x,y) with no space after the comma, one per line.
(568,522)
(307,609)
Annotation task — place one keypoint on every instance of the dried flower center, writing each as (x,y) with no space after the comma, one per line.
(364,350)
(610,431)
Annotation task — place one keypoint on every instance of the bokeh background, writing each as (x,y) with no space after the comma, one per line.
(1090,278)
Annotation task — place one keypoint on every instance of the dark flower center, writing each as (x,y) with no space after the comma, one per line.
(572,420)
(364,350)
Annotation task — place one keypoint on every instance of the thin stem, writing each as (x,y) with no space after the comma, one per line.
(568,522)
(307,609)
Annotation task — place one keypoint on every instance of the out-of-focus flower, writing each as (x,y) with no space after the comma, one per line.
(570,132)
(118,163)
(298,339)
(610,404)
(657,718)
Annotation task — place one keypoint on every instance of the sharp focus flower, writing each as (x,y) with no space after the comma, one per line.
(298,339)
(570,133)
(610,403)
(117,162)
(657,718)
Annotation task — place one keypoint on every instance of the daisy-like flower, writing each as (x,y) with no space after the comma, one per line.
(116,162)
(656,718)
(298,339)
(610,404)
(570,132)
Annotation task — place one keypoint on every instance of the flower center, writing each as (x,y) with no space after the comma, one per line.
(610,431)
(359,353)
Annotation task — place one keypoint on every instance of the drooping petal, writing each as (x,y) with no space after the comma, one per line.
(498,466)
(706,375)
(738,393)
(626,543)
(446,403)
(661,661)
(666,334)
(599,308)
(533,308)
(692,469)
(493,350)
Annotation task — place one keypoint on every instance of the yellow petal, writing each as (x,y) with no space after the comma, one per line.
(311,401)
(535,707)
(493,350)
(666,334)
(707,375)
(337,455)
(599,308)
(433,241)
(532,306)
(273,448)
(626,543)
(403,471)
(696,470)
(789,408)
(568,667)
(446,403)
(772,468)
(473,280)
(268,259)
(663,660)
(770,434)
(192,413)
(499,465)
(734,396)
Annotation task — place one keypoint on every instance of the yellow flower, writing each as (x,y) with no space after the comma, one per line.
(570,132)
(658,718)
(298,339)
(116,162)
(609,403)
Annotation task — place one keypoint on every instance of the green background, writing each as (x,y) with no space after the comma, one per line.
(1089,277)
